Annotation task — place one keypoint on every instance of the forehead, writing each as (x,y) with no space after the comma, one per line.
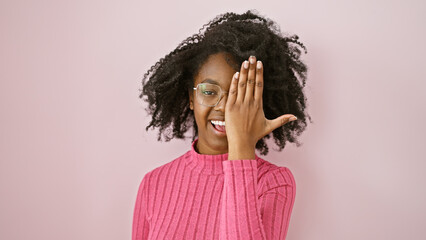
(216,69)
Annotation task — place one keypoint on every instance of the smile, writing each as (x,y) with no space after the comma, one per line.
(219,126)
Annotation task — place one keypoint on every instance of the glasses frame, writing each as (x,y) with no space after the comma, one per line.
(221,94)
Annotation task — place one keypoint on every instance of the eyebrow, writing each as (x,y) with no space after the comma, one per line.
(208,80)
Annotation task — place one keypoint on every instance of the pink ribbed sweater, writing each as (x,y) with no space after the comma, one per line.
(198,196)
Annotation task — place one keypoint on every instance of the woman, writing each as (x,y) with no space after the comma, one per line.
(226,82)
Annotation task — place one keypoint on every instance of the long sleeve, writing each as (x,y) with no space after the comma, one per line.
(255,212)
(140,228)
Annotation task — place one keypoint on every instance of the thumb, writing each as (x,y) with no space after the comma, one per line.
(279,121)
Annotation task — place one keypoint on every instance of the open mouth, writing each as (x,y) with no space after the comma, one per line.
(219,125)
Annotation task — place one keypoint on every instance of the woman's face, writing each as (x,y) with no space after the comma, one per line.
(216,70)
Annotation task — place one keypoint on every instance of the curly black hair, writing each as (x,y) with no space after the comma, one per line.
(239,35)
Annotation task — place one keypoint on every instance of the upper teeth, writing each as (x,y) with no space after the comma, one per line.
(221,123)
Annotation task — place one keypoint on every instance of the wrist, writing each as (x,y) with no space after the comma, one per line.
(241,151)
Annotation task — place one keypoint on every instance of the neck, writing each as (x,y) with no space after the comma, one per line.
(204,149)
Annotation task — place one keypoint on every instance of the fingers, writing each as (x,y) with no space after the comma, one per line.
(258,91)
(233,89)
(247,80)
(242,82)
(250,79)
(279,121)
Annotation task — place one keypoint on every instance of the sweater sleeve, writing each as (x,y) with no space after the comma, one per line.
(248,212)
(140,228)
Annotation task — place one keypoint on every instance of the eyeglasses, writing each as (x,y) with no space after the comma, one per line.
(208,94)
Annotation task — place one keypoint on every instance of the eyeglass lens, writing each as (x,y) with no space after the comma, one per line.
(208,94)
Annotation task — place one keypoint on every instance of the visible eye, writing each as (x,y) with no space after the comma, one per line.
(209,93)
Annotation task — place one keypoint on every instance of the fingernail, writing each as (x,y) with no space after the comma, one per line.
(246,64)
(237,74)
(259,64)
(293,118)
(252,60)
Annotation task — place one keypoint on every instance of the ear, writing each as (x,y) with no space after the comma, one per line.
(191,102)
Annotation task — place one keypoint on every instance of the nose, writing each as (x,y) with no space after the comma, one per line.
(222,103)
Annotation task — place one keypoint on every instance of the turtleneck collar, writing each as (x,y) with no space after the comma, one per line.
(205,163)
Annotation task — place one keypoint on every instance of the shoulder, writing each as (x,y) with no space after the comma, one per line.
(271,176)
(158,172)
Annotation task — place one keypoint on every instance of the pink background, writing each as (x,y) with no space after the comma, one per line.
(72,136)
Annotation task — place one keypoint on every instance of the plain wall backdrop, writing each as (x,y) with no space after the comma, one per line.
(72,141)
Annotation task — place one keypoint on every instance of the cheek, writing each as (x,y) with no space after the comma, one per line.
(200,114)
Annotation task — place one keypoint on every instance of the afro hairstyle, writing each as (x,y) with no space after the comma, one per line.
(166,85)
